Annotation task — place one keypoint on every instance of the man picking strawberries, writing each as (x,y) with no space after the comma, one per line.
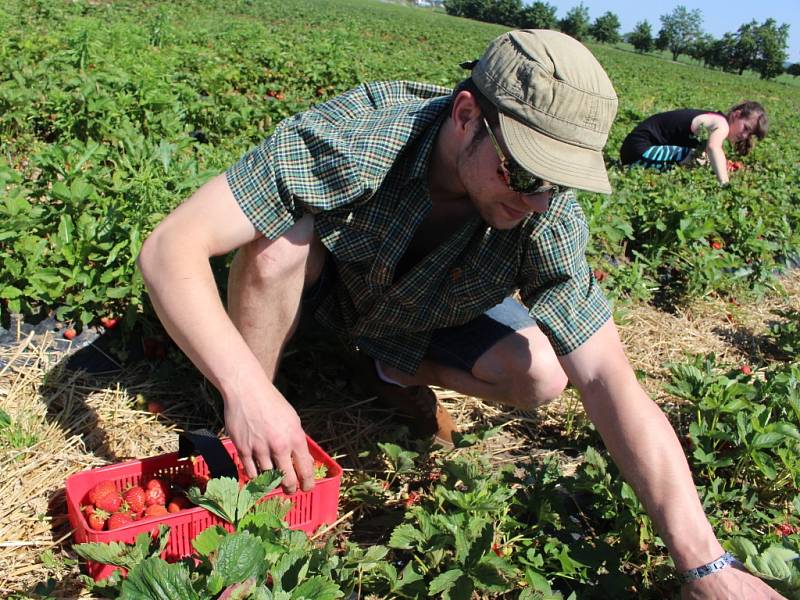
(404,216)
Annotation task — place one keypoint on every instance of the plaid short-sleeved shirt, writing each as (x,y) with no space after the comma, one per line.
(359,164)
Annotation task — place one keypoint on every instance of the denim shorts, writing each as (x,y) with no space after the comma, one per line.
(459,346)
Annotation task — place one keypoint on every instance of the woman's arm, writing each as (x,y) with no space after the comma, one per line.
(717,126)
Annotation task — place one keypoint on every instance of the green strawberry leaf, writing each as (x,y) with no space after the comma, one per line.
(317,588)
(444,581)
(155,579)
(240,557)
(208,540)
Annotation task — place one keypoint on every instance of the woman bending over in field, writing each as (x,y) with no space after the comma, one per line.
(675,137)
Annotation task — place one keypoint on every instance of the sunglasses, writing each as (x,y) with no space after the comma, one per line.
(515,176)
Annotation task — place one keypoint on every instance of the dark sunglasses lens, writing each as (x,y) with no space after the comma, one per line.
(522,181)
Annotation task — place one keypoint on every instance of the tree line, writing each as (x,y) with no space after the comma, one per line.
(759,47)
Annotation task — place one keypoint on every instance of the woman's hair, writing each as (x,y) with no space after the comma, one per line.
(745,110)
(488,109)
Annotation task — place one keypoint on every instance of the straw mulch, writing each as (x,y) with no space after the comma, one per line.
(64,422)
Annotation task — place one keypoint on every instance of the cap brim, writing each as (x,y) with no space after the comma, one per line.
(555,161)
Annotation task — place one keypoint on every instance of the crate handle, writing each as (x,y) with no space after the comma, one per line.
(209,446)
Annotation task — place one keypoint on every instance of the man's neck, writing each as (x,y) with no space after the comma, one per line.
(444,185)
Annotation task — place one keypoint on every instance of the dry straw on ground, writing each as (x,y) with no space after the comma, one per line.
(64,422)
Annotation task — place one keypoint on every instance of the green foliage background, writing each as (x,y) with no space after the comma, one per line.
(112,113)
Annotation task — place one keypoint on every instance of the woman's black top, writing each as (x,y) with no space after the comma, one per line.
(671,128)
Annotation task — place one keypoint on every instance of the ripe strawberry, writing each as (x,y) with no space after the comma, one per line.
(716,245)
(135,498)
(105,497)
(155,407)
(97,520)
(119,519)
(320,470)
(109,322)
(70,333)
(413,498)
(178,503)
(599,275)
(784,529)
(746,370)
(155,510)
(95,517)
(155,492)
(497,550)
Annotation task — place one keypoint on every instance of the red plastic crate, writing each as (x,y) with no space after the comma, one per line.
(309,510)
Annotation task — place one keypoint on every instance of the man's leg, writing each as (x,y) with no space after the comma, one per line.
(519,368)
(265,284)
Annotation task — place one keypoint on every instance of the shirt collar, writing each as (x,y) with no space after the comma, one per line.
(418,168)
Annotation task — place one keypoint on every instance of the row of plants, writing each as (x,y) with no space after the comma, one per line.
(111,114)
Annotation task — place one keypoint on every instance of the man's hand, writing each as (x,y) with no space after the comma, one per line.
(268,435)
(729,584)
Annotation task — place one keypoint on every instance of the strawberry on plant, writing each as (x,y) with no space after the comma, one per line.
(716,245)
(70,333)
(108,322)
(119,519)
(105,496)
(135,497)
(155,407)
(413,498)
(320,470)
(746,370)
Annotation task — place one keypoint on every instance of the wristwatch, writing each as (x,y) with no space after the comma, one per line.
(726,560)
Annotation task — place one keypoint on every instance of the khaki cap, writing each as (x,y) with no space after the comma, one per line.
(556,105)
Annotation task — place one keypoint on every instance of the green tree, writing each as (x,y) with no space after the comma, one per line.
(469,9)
(771,43)
(606,28)
(720,53)
(680,29)
(505,12)
(745,50)
(700,49)
(642,37)
(793,69)
(576,22)
(539,15)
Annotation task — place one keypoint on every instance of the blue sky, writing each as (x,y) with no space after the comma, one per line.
(719,16)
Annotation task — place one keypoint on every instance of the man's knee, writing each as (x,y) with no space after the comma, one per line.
(296,253)
(541,382)
(524,370)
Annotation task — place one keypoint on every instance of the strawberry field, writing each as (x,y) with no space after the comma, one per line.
(111,113)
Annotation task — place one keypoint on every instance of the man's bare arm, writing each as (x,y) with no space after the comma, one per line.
(174,261)
(645,448)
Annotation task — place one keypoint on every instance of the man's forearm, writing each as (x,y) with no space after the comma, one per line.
(645,448)
(186,299)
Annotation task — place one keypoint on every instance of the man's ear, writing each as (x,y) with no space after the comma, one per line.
(465,111)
